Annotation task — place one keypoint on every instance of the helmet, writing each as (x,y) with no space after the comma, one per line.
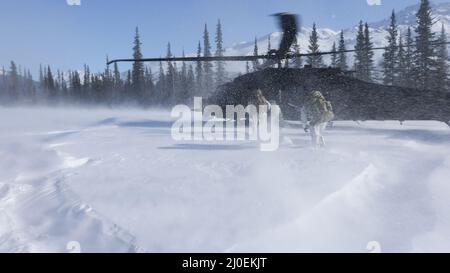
(316,94)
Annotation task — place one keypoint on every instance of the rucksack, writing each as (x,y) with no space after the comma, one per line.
(328,114)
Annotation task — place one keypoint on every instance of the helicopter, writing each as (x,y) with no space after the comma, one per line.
(352,99)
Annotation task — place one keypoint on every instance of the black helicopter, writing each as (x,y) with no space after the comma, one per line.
(352,98)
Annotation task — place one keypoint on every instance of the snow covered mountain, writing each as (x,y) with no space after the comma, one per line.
(405,18)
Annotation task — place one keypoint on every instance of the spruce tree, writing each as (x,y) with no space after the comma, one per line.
(368,54)
(13,81)
(138,67)
(342,57)
(76,86)
(442,67)
(149,82)
(401,69)
(117,78)
(390,59)
(86,80)
(58,81)
(255,63)
(32,88)
(207,66)
(424,52)
(98,95)
(334,55)
(177,88)
(147,86)
(129,85)
(199,72)
(64,89)
(220,65)
(170,78)
(161,85)
(41,76)
(107,82)
(409,60)
(359,53)
(50,83)
(77,83)
(191,82)
(364,53)
(184,85)
(314,60)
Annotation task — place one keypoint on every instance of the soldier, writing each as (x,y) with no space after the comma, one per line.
(262,100)
(321,112)
(257,99)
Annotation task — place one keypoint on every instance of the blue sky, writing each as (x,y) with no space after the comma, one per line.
(52,32)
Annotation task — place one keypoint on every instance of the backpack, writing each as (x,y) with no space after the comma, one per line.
(328,114)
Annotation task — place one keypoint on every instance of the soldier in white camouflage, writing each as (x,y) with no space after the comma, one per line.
(320,112)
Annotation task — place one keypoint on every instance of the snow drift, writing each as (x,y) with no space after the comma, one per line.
(115,181)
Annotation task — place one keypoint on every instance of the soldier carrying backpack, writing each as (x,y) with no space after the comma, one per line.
(320,112)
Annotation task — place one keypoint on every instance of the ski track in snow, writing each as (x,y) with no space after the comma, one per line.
(115,181)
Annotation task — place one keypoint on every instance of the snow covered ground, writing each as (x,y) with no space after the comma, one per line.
(115,181)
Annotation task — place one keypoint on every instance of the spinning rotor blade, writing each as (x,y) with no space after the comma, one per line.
(245,58)
(197,59)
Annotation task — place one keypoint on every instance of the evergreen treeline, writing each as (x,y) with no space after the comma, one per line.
(175,82)
(417,58)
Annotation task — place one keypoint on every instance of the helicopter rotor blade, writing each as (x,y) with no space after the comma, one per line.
(353,50)
(247,58)
(197,59)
